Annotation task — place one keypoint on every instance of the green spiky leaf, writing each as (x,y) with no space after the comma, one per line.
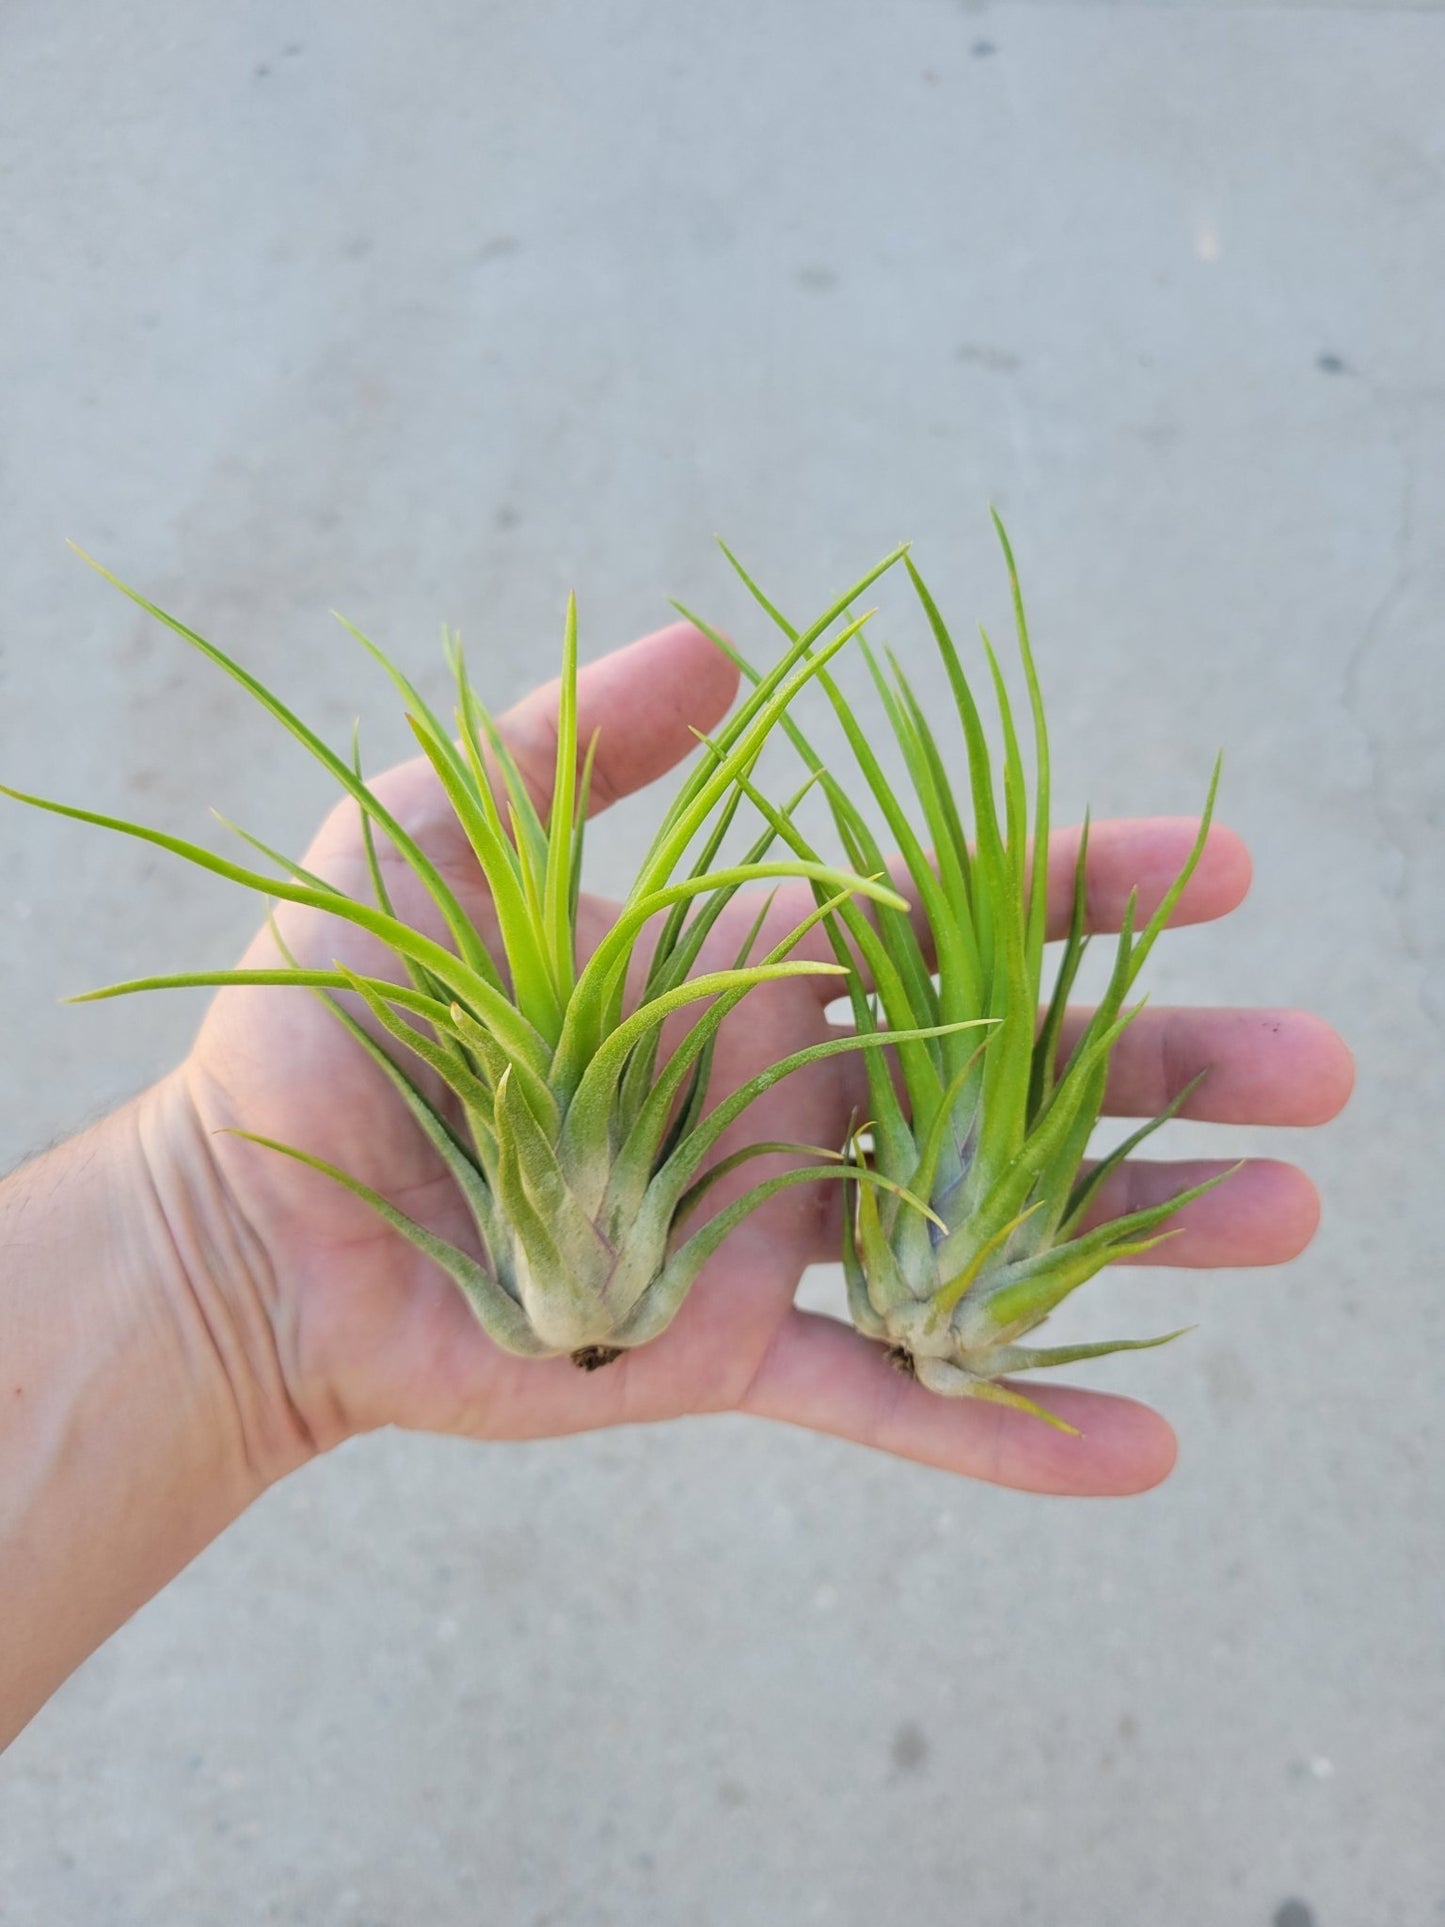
(578,1146)
(995,1136)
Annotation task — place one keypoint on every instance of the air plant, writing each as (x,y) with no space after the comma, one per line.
(991,1133)
(581,1149)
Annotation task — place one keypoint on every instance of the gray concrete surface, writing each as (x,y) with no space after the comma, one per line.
(433,312)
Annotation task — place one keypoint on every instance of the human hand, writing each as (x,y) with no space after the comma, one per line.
(367,1332)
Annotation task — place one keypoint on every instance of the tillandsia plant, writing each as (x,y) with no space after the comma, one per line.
(581,1147)
(992,1134)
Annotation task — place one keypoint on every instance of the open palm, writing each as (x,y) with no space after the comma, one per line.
(368,1332)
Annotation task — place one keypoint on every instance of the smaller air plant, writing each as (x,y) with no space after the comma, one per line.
(580,1148)
(987,1129)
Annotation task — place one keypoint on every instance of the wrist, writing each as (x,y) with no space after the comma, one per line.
(214,1279)
(140,1412)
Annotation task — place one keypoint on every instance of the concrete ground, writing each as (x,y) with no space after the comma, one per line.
(433,312)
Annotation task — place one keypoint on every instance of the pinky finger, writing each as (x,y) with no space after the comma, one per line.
(821,1374)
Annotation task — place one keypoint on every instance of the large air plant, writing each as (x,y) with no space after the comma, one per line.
(581,1146)
(987,1127)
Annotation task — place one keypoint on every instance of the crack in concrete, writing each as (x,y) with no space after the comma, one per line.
(1400,581)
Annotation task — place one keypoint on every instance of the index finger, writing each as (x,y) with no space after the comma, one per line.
(644,703)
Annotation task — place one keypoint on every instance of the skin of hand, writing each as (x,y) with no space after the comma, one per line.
(231,1312)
